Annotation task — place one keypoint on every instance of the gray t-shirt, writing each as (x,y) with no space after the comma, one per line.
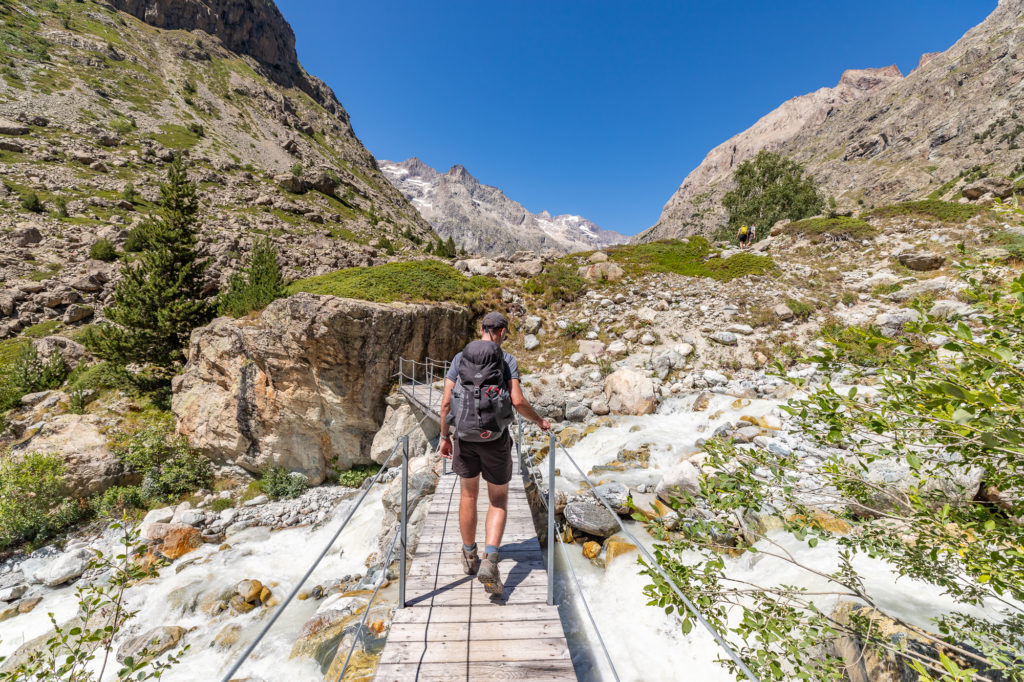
(510,367)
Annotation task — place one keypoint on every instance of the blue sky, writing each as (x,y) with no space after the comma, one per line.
(597,108)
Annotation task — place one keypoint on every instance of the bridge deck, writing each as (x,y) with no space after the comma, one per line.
(451,629)
(426,398)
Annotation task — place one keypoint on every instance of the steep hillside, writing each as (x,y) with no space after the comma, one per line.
(481,219)
(879,137)
(96,97)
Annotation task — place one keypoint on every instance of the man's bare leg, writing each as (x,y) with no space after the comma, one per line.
(496,513)
(467,510)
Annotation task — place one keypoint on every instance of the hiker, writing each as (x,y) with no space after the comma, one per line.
(484,382)
(747,235)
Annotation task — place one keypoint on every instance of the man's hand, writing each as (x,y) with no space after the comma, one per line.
(544,424)
(446,448)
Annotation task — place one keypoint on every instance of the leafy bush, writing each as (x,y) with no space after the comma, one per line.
(800,309)
(220,504)
(558,282)
(296,170)
(256,285)
(278,483)
(136,241)
(30,202)
(169,466)
(946,211)
(690,258)
(117,500)
(424,280)
(354,477)
(949,417)
(129,193)
(104,250)
(60,205)
(575,330)
(770,188)
(33,506)
(832,229)
(97,377)
(30,373)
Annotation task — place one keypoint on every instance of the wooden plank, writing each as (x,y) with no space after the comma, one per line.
(465,597)
(454,567)
(548,649)
(481,613)
(415,585)
(474,632)
(535,671)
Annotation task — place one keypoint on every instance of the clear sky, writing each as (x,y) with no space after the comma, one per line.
(594,107)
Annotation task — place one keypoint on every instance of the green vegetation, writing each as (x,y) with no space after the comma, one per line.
(129,193)
(945,211)
(170,468)
(29,373)
(575,330)
(40,329)
(176,136)
(423,280)
(30,201)
(1012,241)
(33,507)
(256,285)
(801,309)
(60,207)
(832,229)
(558,282)
(688,257)
(119,500)
(770,188)
(279,484)
(354,477)
(104,250)
(931,420)
(443,249)
(159,299)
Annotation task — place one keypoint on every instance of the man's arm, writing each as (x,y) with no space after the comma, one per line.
(524,407)
(446,407)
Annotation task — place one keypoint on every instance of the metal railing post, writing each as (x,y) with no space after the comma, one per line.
(405,521)
(519,442)
(551,519)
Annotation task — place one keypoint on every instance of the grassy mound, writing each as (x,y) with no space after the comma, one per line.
(832,229)
(425,280)
(945,211)
(687,258)
(558,282)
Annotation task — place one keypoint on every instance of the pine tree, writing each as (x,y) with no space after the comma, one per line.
(256,285)
(449,248)
(159,300)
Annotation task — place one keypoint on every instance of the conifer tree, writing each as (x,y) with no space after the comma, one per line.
(159,300)
(256,285)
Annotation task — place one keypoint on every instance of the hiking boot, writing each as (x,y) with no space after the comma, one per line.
(489,576)
(470,561)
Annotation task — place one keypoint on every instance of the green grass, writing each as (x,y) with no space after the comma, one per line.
(38,331)
(426,280)
(175,136)
(800,309)
(687,258)
(945,211)
(10,349)
(558,282)
(832,229)
(1011,241)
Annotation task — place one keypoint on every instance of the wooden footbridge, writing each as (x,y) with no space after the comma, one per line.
(450,629)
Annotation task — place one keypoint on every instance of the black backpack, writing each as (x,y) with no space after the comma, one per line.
(482,403)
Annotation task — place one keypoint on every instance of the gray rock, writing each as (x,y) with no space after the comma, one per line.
(783,312)
(648,339)
(76,313)
(746,434)
(149,645)
(576,412)
(531,324)
(530,342)
(26,236)
(591,518)
(13,592)
(600,408)
(921,260)
(8,127)
(684,476)
(68,566)
(1000,187)
(616,495)
(714,378)
(744,329)
(576,359)
(724,338)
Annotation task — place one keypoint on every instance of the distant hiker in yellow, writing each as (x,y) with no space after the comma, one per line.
(746,235)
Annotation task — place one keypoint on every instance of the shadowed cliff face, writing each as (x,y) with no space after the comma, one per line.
(255,28)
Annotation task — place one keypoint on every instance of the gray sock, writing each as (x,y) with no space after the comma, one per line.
(490,549)
(469,548)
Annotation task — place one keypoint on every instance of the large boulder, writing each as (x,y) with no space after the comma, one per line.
(999,187)
(921,261)
(90,466)
(602,272)
(591,518)
(303,385)
(629,392)
(398,422)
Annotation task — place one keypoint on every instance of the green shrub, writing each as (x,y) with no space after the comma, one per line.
(424,280)
(136,241)
(104,250)
(280,484)
(222,503)
(33,506)
(769,188)
(945,211)
(296,170)
(60,206)
(385,245)
(77,401)
(832,229)
(119,499)
(558,282)
(801,309)
(129,193)
(354,477)
(30,202)
(30,373)
(690,258)
(97,377)
(575,330)
(257,285)
(169,466)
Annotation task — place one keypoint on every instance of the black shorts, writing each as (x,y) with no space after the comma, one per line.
(492,460)
(744,238)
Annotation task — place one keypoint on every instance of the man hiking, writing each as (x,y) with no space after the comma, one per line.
(484,382)
(746,235)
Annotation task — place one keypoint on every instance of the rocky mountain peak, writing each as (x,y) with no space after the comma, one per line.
(870,79)
(459,173)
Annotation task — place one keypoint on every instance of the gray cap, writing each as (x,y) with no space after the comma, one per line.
(494,320)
